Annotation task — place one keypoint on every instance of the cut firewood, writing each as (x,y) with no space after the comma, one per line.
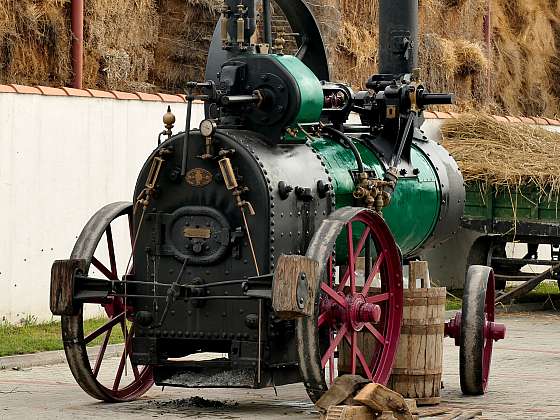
(344,387)
(381,398)
(469,414)
(346,412)
(411,404)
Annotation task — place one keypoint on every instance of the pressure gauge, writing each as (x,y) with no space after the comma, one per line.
(208,128)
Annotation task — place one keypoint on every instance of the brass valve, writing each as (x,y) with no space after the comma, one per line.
(373,192)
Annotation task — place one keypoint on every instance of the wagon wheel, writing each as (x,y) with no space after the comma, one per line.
(475,331)
(361,310)
(97,377)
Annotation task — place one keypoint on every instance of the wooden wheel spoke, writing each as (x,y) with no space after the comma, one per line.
(333,295)
(104,270)
(111,249)
(378,298)
(375,333)
(101,353)
(334,344)
(374,272)
(104,328)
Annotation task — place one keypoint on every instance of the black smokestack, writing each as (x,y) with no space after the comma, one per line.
(398,36)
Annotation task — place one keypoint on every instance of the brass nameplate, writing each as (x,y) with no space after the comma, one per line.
(200,233)
(198,177)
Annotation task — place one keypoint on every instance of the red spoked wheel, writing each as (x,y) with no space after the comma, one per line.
(358,311)
(88,335)
(475,331)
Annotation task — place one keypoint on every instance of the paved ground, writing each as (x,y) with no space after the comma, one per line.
(525,385)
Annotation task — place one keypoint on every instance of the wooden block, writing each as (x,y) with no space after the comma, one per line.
(343,387)
(386,415)
(381,399)
(418,270)
(345,412)
(469,414)
(294,286)
(411,404)
(62,286)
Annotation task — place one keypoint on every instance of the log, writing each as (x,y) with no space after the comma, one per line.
(294,286)
(382,399)
(347,412)
(343,388)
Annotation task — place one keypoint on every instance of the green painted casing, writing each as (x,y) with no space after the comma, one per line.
(310,89)
(414,209)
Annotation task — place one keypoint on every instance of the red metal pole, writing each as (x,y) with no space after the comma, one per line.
(77,42)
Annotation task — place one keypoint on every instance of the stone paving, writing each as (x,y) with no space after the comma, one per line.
(525,384)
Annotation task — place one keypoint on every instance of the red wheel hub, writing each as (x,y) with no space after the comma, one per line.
(492,330)
(355,313)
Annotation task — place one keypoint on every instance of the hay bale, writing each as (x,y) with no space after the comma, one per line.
(504,154)
(35,42)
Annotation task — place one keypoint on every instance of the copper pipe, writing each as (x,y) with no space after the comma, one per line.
(77,42)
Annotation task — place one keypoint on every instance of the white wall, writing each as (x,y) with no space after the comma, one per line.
(61,159)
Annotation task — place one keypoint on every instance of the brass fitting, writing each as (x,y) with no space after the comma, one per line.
(371,192)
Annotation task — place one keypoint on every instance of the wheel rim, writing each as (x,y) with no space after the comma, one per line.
(358,318)
(475,331)
(488,326)
(127,381)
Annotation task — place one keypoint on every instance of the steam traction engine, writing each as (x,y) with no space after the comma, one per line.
(276,231)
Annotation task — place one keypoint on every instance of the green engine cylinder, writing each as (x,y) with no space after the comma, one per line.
(427,204)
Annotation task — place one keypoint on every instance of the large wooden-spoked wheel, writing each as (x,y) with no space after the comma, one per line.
(475,331)
(99,377)
(357,318)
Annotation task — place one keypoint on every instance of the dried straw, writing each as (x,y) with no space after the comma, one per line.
(503,154)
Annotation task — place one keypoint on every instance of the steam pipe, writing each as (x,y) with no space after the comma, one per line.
(398,36)
(77,42)
(267,15)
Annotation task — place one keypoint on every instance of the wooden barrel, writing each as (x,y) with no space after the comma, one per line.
(418,366)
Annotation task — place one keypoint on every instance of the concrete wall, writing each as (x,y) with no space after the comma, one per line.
(61,159)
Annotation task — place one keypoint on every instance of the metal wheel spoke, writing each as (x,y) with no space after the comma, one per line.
(334,344)
(362,241)
(378,298)
(351,257)
(364,364)
(330,271)
(344,279)
(105,327)
(111,247)
(104,270)
(322,319)
(101,353)
(375,333)
(122,363)
(333,295)
(374,272)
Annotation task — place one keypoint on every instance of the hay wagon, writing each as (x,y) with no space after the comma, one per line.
(507,227)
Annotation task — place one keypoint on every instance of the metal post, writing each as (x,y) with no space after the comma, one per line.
(77,42)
